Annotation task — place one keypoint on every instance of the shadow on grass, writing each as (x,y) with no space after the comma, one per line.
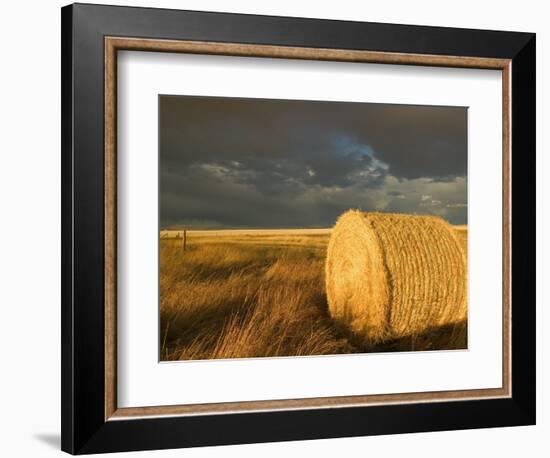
(453,336)
(194,325)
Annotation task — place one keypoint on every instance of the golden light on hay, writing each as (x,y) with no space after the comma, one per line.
(393,275)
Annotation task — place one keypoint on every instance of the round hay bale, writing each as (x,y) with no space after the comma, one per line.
(392,275)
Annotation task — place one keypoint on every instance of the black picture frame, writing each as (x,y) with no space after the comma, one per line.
(84,428)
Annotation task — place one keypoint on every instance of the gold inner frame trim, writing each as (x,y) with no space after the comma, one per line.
(114,44)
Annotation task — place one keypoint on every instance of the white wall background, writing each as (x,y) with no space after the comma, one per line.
(30,225)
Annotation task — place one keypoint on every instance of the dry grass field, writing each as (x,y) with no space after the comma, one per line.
(259,293)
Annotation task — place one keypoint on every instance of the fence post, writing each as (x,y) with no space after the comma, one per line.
(184,239)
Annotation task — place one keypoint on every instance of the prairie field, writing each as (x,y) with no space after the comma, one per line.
(261,293)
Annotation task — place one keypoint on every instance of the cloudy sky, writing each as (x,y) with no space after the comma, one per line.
(232,162)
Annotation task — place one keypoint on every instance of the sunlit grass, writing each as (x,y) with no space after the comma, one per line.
(255,295)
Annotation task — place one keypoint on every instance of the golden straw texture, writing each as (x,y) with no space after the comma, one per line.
(392,275)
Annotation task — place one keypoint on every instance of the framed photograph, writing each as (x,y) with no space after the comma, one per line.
(281,228)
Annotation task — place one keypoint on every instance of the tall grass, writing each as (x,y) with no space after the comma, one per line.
(236,300)
(258,296)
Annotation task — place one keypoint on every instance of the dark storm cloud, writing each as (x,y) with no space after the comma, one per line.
(250,162)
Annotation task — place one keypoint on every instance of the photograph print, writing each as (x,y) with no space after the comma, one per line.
(298,228)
